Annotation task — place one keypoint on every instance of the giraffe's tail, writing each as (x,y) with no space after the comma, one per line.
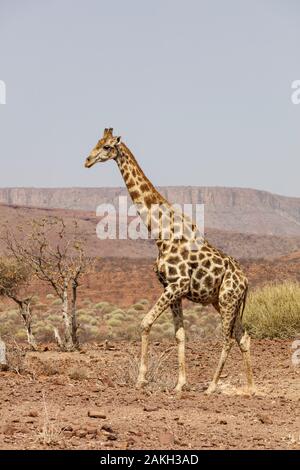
(243,303)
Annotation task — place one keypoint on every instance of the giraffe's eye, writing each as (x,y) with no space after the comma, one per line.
(106,147)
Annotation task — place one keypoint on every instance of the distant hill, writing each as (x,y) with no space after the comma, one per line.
(230,209)
(125,273)
(240,245)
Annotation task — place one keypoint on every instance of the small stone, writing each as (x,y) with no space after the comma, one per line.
(96,414)
(179,442)
(107,346)
(8,429)
(74,441)
(107,428)
(69,427)
(130,442)
(23,430)
(33,414)
(107,381)
(58,381)
(91,430)
(81,433)
(151,408)
(223,421)
(166,438)
(265,419)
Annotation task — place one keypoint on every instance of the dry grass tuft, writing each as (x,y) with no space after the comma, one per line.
(78,373)
(273,311)
(160,375)
(15,356)
(50,433)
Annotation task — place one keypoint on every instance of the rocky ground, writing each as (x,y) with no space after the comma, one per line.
(87,400)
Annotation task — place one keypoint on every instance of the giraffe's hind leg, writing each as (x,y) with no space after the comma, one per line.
(176,308)
(229,305)
(227,344)
(243,341)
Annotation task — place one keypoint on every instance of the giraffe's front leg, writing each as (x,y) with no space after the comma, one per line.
(146,326)
(172,293)
(180,339)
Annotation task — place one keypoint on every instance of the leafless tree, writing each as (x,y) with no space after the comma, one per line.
(15,277)
(56,255)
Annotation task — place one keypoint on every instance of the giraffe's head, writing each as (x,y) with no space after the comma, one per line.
(106,149)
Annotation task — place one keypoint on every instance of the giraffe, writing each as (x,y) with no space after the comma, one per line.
(187,266)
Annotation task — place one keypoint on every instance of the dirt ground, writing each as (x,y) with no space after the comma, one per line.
(49,400)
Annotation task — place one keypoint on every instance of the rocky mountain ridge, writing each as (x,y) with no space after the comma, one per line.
(234,209)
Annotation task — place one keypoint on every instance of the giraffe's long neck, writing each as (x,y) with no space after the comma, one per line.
(141,190)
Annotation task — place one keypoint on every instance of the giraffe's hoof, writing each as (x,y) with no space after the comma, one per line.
(141,384)
(251,391)
(211,389)
(181,387)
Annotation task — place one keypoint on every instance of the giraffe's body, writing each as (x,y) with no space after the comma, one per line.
(187,266)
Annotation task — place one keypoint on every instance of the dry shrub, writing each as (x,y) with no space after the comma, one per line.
(15,356)
(50,432)
(274,311)
(160,375)
(78,373)
(50,369)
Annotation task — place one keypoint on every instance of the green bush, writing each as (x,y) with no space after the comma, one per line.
(132,312)
(101,305)
(114,323)
(82,311)
(21,335)
(82,317)
(11,314)
(35,300)
(138,306)
(117,311)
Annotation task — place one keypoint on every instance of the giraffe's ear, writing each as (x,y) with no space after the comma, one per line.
(118,140)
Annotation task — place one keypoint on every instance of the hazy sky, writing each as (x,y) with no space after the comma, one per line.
(199,90)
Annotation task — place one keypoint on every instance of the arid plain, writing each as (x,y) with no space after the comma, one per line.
(86,399)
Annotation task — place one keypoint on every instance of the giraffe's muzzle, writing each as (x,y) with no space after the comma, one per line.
(89,162)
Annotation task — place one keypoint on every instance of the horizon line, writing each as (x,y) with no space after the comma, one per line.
(246,188)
